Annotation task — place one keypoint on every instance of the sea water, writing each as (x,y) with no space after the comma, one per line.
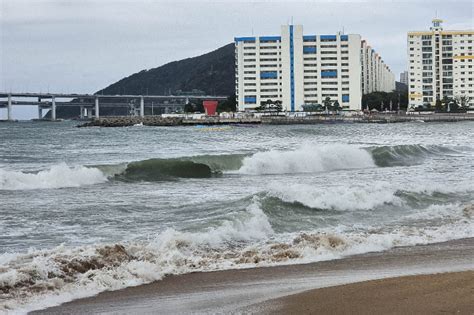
(83,210)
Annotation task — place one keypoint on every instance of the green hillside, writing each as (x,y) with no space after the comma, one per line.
(212,73)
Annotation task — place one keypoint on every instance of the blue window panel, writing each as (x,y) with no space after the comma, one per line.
(268,74)
(269,38)
(344,38)
(309,37)
(328,37)
(292,66)
(244,39)
(309,50)
(250,100)
(345,98)
(327,74)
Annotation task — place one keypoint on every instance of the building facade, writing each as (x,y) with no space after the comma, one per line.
(404,77)
(297,69)
(441,64)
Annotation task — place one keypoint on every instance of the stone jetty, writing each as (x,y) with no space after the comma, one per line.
(124,121)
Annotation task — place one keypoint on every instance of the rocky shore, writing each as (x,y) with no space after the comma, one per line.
(124,121)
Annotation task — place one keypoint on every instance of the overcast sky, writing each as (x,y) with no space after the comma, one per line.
(82,46)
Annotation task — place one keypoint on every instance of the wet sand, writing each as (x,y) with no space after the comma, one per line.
(447,293)
(259,289)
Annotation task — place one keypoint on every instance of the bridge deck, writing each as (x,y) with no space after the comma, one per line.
(93,96)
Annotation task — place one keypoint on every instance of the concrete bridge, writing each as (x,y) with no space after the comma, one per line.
(90,104)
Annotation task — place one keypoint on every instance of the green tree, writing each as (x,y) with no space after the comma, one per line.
(327,103)
(462,101)
(453,106)
(438,105)
(229,105)
(336,106)
(278,106)
(189,108)
(446,101)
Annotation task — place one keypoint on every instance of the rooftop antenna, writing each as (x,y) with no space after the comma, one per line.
(291,20)
(343,30)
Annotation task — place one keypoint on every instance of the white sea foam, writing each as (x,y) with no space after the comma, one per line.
(64,273)
(58,176)
(309,158)
(360,197)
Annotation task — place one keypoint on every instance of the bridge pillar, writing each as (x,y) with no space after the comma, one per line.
(53,108)
(142,107)
(97,116)
(81,113)
(40,112)
(9,108)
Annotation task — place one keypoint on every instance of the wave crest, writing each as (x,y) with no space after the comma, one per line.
(336,198)
(58,176)
(405,155)
(307,159)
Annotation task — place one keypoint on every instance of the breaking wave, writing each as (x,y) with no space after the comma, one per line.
(57,176)
(306,159)
(336,198)
(42,278)
(405,155)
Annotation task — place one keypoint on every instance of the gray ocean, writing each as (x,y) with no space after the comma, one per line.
(83,210)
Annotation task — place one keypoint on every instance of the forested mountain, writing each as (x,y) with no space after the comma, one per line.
(213,73)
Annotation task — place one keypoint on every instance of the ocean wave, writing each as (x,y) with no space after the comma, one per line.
(58,176)
(405,155)
(369,196)
(307,159)
(362,197)
(202,166)
(42,278)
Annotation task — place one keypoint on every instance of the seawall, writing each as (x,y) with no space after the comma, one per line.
(124,121)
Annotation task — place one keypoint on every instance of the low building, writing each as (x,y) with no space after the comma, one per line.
(296,69)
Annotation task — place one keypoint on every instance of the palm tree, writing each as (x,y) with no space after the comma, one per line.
(327,103)
(336,106)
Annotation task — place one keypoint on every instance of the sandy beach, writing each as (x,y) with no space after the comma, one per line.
(297,288)
(447,293)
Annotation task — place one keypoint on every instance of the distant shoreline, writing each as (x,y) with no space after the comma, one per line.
(298,118)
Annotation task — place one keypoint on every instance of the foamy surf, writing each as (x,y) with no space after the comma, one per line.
(360,197)
(58,176)
(307,159)
(42,278)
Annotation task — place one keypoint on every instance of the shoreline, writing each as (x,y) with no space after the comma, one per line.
(242,290)
(451,292)
(382,118)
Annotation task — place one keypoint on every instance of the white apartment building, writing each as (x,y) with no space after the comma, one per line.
(298,69)
(441,63)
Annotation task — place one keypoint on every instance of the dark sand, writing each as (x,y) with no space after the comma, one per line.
(446,293)
(246,291)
